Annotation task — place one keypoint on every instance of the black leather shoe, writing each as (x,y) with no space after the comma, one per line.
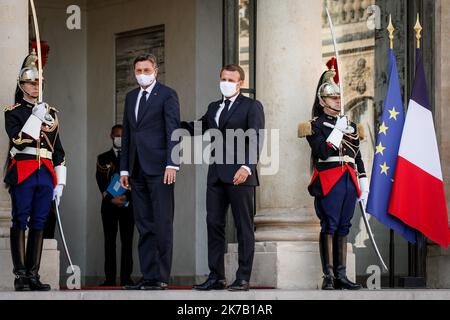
(345,284)
(155,285)
(328,282)
(239,285)
(21,282)
(37,285)
(138,286)
(147,285)
(211,284)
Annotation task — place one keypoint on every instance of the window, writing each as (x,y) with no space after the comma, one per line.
(239,35)
(129,45)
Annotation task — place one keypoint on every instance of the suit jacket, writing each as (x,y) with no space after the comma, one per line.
(245,113)
(150,136)
(107,166)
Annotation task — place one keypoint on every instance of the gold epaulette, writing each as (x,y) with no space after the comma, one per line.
(105,168)
(361,131)
(10,108)
(305,129)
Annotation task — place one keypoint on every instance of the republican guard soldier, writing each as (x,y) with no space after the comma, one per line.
(338,179)
(35,174)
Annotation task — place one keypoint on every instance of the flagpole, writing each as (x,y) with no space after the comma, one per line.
(391,30)
(421,244)
(417,252)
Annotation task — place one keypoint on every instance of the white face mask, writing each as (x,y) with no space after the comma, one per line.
(117,142)
(145,80)
(228,89)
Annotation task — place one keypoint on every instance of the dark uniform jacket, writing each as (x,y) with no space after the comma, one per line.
(326,174)
(21,166)
(107,165)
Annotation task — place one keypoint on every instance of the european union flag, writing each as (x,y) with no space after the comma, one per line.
(385,159)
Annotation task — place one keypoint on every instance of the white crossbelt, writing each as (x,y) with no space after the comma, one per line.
(43,153)
(339,159)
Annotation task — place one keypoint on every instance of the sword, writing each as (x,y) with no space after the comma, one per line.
(38,46)
(39,54)
(341,87)
(369,231)
(338,60)
(63,238)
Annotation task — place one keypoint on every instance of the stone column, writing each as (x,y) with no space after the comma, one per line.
(289,65)
(438,259)
(14,48)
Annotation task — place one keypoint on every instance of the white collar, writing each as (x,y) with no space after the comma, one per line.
(232,99)
(149,89)
(116,150)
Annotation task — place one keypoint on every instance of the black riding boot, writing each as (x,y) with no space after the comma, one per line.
(326,256)
(17,237)
(33,260)
(340,265)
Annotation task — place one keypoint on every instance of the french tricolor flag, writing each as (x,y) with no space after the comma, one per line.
(418,197)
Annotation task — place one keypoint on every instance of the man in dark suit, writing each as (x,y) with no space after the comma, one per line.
(151,115)
(231,179)
(116,213)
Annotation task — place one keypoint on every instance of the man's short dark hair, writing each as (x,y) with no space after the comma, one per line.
(147,57)
(234,67)
(117,126)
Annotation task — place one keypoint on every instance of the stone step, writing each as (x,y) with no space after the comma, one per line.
(260,294)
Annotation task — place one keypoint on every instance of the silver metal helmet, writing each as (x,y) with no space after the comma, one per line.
(328,88)
(29,71)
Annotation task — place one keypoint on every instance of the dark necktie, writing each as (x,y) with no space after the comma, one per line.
(142,103)
(224,113)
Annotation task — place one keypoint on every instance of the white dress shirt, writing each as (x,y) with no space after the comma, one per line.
(217,117)
(136,111)
(116,151)
(149,92)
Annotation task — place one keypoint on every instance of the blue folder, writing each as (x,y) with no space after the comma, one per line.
(115,189)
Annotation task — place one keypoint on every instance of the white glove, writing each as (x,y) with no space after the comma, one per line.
(40,110)
(57,193)
(341,123)
(364,187)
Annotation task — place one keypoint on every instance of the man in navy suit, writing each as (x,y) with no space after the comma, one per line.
(151,115)
(231,179)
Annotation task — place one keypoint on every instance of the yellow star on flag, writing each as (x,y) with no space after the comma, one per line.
(384,168)
(380,149)
(383,129)
(393,113)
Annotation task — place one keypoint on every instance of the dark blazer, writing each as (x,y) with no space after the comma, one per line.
(107,166)
(149,138)
(245,113)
